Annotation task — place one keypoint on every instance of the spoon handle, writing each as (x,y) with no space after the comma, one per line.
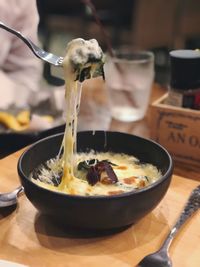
(192,205)
(19,190)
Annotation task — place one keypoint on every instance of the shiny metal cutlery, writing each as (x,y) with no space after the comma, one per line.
(161,257)
(37,51)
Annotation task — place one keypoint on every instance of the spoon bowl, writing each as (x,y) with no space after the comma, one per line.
(10,198)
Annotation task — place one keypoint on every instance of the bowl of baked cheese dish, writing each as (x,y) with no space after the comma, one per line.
(117,179)
(93,179)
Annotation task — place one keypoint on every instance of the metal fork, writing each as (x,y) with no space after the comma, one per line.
(161,257)
(38,52)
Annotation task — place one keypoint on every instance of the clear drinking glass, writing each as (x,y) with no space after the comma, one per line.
(129,76)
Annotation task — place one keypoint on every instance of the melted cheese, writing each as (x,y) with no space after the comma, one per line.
(85,58)
(130,172)
(80,54)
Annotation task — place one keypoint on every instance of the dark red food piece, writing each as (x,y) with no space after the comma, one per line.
(93,176)
(94,173)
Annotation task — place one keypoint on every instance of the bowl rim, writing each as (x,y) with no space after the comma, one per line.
(167,174)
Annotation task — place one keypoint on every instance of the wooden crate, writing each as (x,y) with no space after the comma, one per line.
(178,130)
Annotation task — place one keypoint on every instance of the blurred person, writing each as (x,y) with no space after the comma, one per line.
(20,70)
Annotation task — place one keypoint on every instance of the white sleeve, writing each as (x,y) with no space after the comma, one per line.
(21,71)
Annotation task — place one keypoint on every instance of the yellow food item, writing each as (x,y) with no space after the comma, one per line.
(23,117)
(47,118)
(11,122)
(20,122)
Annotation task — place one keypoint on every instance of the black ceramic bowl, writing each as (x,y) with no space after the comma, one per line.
(97,212)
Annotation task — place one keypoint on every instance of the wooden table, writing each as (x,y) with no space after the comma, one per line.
(27,237)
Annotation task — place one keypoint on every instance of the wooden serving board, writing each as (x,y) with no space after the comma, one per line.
(28,238)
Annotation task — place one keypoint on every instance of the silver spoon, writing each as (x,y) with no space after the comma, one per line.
(161,258)
(40,53)
(10,199)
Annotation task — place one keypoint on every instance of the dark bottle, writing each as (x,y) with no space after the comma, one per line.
(184,90)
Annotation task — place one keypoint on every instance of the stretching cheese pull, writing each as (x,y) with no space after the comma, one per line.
(90,173)
(83,60)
